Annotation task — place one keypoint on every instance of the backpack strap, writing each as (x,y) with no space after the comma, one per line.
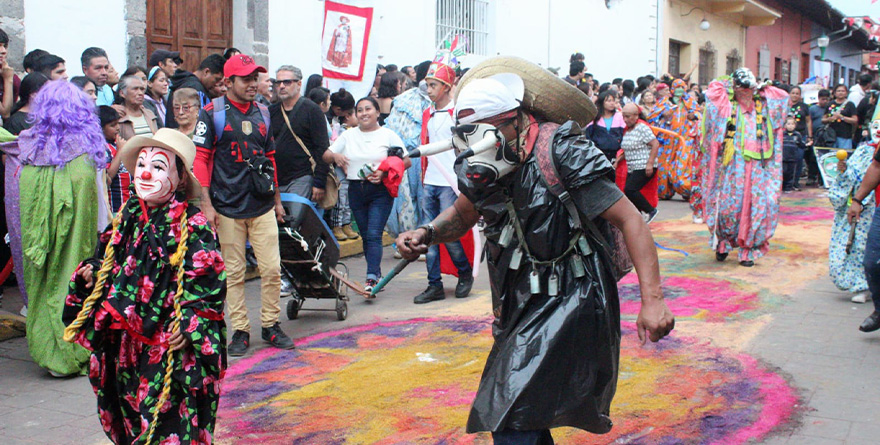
(264,111)
(219,115)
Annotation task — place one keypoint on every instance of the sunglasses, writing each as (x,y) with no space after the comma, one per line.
(285,82)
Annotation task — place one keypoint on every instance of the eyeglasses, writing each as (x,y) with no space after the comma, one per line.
(286,82)
(184,109)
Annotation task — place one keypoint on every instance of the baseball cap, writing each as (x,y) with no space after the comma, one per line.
(491,96)
(241,65)
(160,55)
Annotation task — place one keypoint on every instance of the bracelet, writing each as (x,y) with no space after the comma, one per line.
(431,232)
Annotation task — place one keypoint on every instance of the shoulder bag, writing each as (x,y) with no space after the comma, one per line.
(331,186)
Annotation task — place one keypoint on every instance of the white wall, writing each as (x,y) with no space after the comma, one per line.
(616,43)
(67,28)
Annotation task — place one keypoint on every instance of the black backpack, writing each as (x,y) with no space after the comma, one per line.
(825,136)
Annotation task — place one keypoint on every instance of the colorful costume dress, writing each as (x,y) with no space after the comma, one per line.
(406,120)
(675,169)
(58,205)
(846,270)
(742,169)
(130,324)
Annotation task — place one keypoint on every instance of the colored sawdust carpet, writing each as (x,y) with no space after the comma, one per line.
(413,381)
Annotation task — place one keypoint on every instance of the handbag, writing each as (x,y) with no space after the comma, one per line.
(331,186)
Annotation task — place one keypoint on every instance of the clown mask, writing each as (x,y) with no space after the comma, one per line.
(875,131)
(156,177)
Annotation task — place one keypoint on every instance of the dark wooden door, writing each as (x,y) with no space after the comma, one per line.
(196,28)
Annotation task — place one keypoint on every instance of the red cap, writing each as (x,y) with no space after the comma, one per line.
(443,73)
(241,65)
(661,86)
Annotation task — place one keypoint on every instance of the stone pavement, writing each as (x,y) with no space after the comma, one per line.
(812,338)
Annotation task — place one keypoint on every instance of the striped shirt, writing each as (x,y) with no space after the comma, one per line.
(120,185)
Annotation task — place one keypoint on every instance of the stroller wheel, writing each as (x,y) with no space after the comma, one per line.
(293,306)
(341,310)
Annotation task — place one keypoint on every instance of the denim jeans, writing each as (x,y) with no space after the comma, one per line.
(872,259)
(370,205)
(511,437)
(434,200)
(843,143)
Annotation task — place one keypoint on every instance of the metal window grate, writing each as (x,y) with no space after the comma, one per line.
(467,18)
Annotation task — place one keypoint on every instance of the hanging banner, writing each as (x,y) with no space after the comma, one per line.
(345,39)
(822,72)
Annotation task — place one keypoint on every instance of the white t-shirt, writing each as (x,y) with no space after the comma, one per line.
(440,129)
(362,148)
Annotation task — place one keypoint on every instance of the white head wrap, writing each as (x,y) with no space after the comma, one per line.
(490,96)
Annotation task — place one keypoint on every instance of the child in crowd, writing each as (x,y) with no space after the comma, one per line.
(118,177)
(793,147)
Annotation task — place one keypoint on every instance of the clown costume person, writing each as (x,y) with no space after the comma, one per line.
(742,164)
(554,361)
(149,304)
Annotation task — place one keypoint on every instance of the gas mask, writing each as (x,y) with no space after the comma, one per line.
(490,157)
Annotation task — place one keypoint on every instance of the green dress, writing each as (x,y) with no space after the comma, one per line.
(59,216)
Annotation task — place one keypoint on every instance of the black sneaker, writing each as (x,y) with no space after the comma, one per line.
(465,283)
(239,344)
(432,293)
(720,256)
(277,338)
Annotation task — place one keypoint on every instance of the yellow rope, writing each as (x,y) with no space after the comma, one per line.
(176,260)
(73,328)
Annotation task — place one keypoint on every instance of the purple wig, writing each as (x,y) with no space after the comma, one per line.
(65,127)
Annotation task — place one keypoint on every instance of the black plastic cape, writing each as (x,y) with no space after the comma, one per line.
(555,359)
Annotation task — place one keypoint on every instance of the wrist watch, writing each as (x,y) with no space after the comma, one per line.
(431,231)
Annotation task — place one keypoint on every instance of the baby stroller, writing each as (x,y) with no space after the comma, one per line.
(310,258)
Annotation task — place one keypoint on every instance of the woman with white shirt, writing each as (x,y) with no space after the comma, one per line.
(359,152)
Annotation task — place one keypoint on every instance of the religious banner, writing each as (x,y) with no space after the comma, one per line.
(345,39)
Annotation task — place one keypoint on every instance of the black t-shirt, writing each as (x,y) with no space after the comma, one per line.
(231,192)
(841,128)
(309,123)
(877,155)
(17,123)
(800,111)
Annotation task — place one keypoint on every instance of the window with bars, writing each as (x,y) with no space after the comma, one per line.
(707,64)
(466,18)
(734,61)
(674,58)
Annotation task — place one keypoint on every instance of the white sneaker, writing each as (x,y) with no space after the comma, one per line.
(397,255)
(23,311)
(861,297)
(422,257)
(698,220)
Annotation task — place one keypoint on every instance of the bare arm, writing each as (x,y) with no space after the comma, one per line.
(7,76)
(809,126)
(654,318)
(450,225)
(655,147)
(870,182)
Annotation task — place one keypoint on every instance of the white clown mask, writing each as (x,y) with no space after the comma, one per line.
(156,177)
(875,130)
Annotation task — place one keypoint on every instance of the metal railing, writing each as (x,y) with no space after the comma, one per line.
(466,18)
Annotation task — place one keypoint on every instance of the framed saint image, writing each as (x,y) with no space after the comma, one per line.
(345,40)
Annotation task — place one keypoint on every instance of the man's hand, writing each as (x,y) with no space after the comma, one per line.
(210,214)
(649,171)
(7,72)
(855,209)
(317,194)
(177,341)
(841,166)
(655,320)
(279,212)
(86,274)
(411,244)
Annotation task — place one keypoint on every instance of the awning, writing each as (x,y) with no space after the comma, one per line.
(744,12)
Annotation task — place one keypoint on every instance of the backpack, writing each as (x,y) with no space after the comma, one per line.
(220,118)
(825,136)
(612,240)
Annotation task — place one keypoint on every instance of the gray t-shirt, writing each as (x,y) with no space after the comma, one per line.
(636,148)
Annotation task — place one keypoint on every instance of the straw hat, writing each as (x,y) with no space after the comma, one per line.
(171,140)
(546,95)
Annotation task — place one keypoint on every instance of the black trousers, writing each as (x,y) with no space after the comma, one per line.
(789,168)
(812,165)
(635,180)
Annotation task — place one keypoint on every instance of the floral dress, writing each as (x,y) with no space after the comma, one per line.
(676,159)
(129,328)
(846,270)
(741,191)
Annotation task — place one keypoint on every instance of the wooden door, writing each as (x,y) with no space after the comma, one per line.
(196,28)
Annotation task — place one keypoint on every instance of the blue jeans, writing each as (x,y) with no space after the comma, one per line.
(872,259)
(370,205)
(434,200)
(843,143)
(511,437)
